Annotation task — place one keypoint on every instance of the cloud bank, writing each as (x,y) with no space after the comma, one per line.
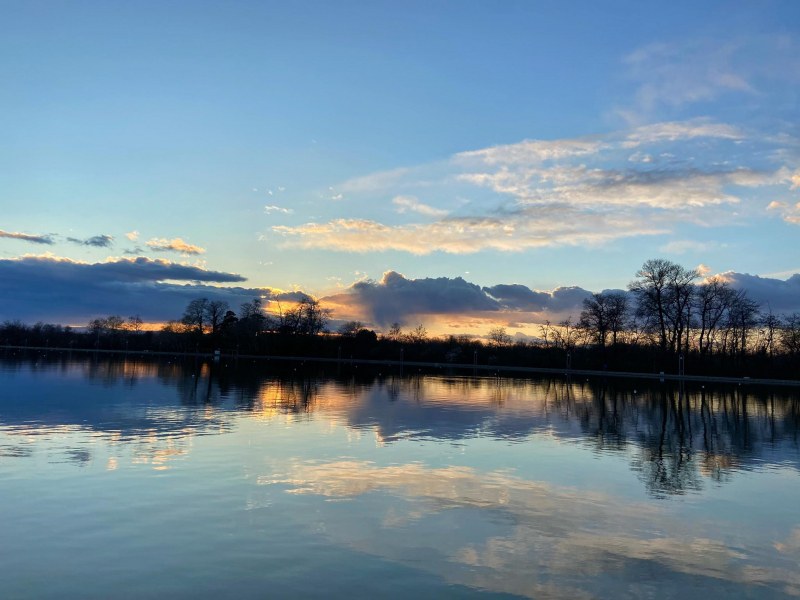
(67,291)
(62,290)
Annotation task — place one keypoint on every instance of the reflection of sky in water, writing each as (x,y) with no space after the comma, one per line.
(161,478)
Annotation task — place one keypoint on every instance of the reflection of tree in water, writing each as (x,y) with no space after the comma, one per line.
(676,437)
(683,435)
(666,459)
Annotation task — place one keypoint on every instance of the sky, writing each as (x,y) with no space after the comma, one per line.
(453,163)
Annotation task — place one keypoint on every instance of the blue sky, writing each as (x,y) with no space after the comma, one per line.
(310,145)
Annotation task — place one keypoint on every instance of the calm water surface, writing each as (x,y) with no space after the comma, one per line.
(135,479)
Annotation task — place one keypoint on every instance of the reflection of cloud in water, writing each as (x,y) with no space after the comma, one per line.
(592,540)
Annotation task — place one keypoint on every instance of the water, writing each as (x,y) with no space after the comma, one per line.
(136,479)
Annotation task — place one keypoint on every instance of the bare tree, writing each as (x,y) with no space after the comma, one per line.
(194,317)
(499,337)
(790,334)
(306,318)
(771,323)
(603,314)
(664,292)
(215,313)
(712,303)
(418,335)
(743,317)
(395,332)
(350,328)
(135,323)
(252,319)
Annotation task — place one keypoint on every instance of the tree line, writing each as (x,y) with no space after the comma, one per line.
(667,320)
(666,308)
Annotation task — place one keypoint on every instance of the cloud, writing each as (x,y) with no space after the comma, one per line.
(673,76)
(518,297)
(513,232)
(396,298)
(271,208)
(782,296)
(174,245)
(703,270)
(56,289)
(672,131)
(412,204)
(684,246)
(546,193)
(26,237)
(532,151)
(790,213)
(373,181)
(132,235)
(561,301)
(98,241)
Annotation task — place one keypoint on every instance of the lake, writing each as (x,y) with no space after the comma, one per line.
(151,479)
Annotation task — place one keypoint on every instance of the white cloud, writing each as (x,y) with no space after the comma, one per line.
(795,178)
(540,193)
(673,76)
(272,208)
(533,151)
(174,245)
(132,235)
(373,182)
(537,227)
(703,269)
(790,213)
(411,203)
(684,246)
(672,131)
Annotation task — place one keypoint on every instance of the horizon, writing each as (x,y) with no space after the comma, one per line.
(407,164)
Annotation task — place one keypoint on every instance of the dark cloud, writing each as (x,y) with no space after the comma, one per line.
(516,297)
(66,291)
(26,237)
(782,296)
(395,298)
(98,241)
(567,299)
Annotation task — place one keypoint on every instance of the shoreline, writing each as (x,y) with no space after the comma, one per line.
(496,369)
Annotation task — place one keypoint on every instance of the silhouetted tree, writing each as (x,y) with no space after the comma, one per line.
(194,317)
(306,318)
(135,323)
(664,292)
(790,334)
(604,314)
(499,337)
(351,328)
(395,332)
(418,335)
(214,313)
(713,300)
